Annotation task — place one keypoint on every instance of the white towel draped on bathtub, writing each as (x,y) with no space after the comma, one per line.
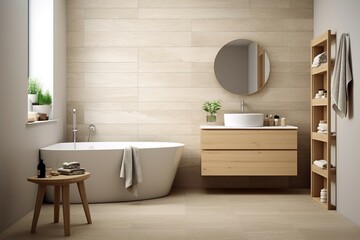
(130,168)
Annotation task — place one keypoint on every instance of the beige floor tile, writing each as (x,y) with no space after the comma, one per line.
(285,235)
(216,234)
(265,223)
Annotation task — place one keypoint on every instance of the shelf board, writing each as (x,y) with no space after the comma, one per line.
(320,69)
(323,137)
(319,102)
(319,171)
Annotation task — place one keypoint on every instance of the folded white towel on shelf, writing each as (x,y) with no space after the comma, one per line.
(321,163)
(130,168)
(321,129)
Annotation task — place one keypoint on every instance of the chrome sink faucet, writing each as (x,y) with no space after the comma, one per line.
(242,105)
(74,129)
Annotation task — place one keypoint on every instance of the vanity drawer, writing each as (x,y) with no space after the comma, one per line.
(249,139)
(249,163)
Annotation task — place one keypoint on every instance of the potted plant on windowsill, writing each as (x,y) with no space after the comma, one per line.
(33,89)
(44,104)
(211,107)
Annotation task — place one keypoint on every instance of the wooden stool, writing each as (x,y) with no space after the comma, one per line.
(63,182)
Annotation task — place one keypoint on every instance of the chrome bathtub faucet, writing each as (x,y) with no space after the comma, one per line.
(242,105)
(74,130)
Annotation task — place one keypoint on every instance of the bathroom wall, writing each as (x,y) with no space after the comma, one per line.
(343,17)
(141,70)
(20,143)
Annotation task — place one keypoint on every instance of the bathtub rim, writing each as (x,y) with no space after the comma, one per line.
(111,145)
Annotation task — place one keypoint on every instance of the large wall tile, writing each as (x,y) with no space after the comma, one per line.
(101,4)
(111,13)
(110,67)
(102,54)
(137,25)
(193,4)
(186,13)
(111,80)
(101,94)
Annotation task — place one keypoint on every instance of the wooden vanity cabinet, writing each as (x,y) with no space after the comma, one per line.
(249,152)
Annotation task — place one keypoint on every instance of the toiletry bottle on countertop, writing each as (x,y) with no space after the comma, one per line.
(283,122)
(276,120)
(271,120)
(266,120)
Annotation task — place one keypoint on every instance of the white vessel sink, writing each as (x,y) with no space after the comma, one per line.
(244,119)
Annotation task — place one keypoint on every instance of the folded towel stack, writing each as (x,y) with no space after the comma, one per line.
(71,168)
(322,127)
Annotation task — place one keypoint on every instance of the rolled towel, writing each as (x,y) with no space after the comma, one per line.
(319,59)
(321,163)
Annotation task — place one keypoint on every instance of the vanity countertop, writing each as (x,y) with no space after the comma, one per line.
(248,128)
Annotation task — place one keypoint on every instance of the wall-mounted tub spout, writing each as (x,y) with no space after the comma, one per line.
(242,106)
(74,129)
(92,130)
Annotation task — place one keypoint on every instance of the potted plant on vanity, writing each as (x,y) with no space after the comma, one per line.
(211,107)
(44,104)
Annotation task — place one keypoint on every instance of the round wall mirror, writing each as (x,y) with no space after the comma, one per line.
(242,67)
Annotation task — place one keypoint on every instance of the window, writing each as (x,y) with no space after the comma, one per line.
(41,44)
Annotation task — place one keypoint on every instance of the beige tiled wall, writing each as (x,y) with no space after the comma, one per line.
(140,71)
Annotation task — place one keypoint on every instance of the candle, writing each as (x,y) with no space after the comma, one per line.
(74,118)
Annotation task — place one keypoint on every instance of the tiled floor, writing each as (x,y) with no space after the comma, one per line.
(199,214)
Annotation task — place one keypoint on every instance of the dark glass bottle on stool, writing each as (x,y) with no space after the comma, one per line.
(41,169)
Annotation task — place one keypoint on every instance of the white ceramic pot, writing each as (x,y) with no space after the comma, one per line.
(42,109)
(33,98)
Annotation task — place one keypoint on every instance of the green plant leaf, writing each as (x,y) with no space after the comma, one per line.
(44,99)
(33,86)
(212,106)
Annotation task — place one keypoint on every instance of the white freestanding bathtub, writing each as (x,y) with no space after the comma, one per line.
(158,160)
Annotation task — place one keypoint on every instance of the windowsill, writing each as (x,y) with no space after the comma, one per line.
(41,122)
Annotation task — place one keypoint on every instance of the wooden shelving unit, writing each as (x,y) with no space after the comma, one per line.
(321,110)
